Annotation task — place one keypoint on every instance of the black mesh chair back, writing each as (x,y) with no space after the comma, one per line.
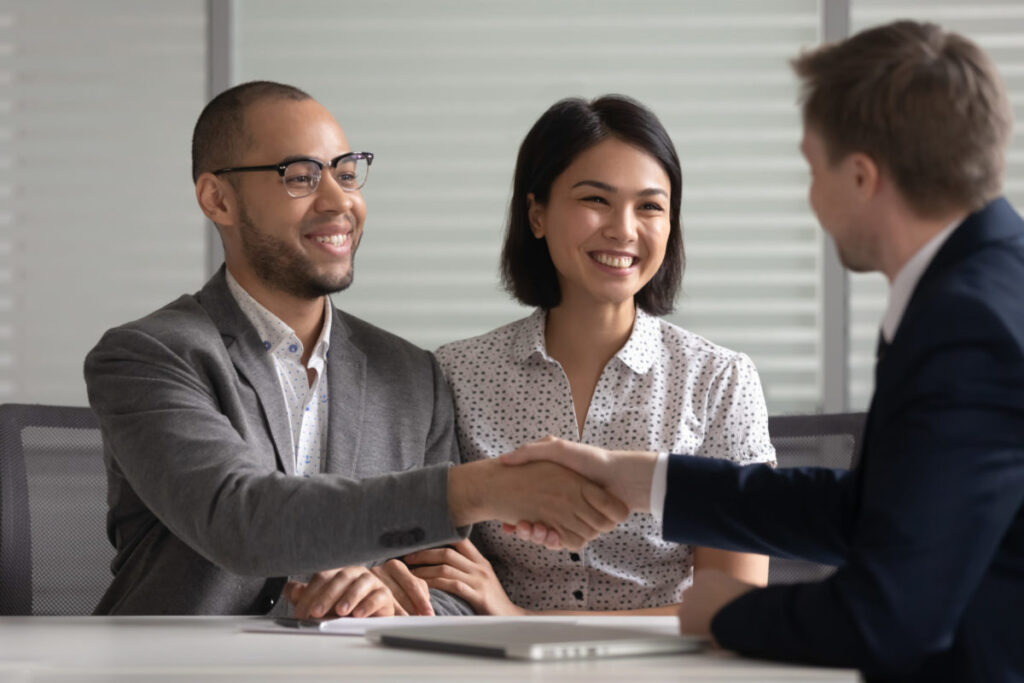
(830,440)
(54,553)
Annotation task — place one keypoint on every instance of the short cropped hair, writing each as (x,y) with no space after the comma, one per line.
(926,105)
(220,138)
(563,132)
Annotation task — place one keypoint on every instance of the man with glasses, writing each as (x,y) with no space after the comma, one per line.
(254,432)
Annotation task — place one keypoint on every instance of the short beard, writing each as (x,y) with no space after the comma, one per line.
(285,269)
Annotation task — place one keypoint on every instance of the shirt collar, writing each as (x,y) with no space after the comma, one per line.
(273,331)
(638,353)
(906,280)
(530,337)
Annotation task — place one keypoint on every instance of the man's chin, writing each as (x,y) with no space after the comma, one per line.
(333,286)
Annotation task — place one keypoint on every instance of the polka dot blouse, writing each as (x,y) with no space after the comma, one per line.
(665,390)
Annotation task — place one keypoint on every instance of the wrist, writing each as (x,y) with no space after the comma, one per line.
(467,486)
(641,467)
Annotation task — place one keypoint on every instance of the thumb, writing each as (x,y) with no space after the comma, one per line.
(532,452)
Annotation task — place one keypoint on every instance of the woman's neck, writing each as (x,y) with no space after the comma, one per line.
(588,332)
(583,339)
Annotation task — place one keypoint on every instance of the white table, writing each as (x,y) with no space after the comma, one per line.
(43,649)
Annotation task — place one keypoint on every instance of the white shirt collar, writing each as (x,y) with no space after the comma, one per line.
(637,353)
(273,331)
(906,280)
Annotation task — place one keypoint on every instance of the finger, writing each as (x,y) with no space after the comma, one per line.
(572,541)
(312,594)
(443,557)
(378,602)
(415,589)
(588,521)
(354,594)
(434,571)
(439,556)
(552,541)
(323,594)
(604,511)
(469,551)
(452,586)
(524,529)
(292,591)
(397,593)
(400,611)
(531,452)
(508,528)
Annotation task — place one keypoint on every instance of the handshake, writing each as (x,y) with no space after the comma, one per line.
(557,493)
(553,492)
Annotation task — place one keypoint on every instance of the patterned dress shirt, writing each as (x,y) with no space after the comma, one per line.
(665,390)
(306,403)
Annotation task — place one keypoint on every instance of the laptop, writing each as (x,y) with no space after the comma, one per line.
(537,642)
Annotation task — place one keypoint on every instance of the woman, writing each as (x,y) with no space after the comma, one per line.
(594,242)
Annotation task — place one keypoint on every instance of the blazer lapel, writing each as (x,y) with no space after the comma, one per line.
(252,363)
(346,378)
(996,221)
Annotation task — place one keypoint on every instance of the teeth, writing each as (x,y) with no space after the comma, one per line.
(614,261)
(333,240)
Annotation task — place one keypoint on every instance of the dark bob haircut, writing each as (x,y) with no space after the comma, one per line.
(566,130)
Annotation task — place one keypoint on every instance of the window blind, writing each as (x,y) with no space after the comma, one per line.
(443,93)
(98,224)
(998,27)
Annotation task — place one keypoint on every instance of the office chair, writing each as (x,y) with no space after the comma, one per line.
(54,553)
(830,440)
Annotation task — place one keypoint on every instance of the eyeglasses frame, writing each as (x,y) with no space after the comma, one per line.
(281,166)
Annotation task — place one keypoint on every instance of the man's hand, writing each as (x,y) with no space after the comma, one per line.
(573,507)
(349,591)
(712,589)
(461,570)
(410,592)
(626,474)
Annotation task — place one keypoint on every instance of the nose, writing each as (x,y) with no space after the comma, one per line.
(621,226)
(331,197)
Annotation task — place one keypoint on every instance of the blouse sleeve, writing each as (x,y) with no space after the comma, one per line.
(736,418)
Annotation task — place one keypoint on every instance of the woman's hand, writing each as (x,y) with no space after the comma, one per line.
(462,571)
(348,591)
(410,592)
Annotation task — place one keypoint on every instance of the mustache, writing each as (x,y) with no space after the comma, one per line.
(309,226)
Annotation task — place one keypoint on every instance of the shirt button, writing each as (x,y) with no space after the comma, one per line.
(575,557)
(577,594)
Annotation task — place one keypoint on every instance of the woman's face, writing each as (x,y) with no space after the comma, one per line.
(606,223)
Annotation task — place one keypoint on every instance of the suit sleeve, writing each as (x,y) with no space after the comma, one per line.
(940,489)
(195,468)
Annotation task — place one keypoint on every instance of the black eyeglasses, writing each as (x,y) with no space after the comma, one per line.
(301,177)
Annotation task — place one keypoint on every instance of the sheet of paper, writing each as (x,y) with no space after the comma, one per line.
(348,626)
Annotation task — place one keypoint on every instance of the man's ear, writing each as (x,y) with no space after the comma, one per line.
(865,174)
(535,213)
(217,199)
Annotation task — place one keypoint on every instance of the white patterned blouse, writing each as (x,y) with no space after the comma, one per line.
(665,390)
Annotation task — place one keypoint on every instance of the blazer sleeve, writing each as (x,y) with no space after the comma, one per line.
(208,480)
(941,487)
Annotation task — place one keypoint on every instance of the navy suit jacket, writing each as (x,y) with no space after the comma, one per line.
(928,528)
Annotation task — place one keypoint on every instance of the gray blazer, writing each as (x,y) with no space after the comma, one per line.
(204,512)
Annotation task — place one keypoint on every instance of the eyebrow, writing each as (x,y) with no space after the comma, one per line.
(306,157)
(611,188)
